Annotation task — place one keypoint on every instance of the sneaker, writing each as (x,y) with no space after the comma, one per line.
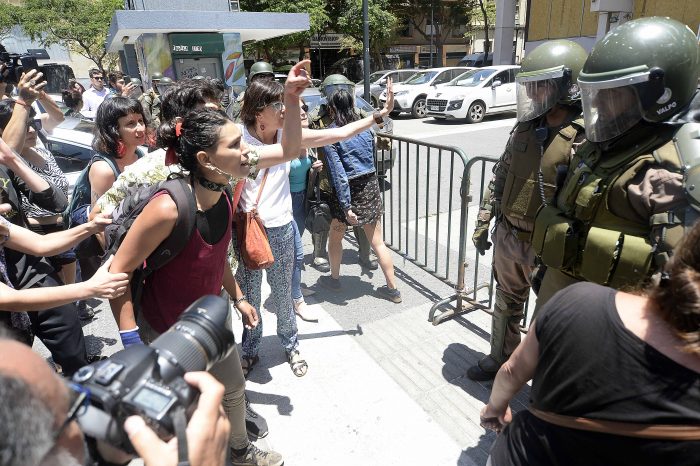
(321,265)
(254,456)
(392,294)
(329,282)
(255,424)
(84,312)
(368,263)
(304,311)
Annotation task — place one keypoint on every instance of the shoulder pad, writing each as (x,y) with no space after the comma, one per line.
(578,123)
(687,143)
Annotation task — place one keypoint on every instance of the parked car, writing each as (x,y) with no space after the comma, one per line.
(71,145)
(475,94)
(476,59)
(385,158)
(377,83)
(409,96)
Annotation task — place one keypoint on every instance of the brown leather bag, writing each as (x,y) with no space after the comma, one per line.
(253,244)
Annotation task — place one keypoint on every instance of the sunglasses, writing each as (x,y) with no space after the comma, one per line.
(99,78)
(278,106)
(79,400)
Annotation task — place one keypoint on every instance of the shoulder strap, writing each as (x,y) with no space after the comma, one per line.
(262,185)
(110,161)
(184,225)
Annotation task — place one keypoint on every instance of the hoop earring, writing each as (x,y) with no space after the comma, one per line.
(262,127)
(121,149)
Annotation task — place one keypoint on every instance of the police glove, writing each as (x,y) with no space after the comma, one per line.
(480,238)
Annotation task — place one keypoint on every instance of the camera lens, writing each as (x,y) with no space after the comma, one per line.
(200,338)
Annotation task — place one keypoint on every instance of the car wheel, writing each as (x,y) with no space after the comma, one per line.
(476,112)
(419,109)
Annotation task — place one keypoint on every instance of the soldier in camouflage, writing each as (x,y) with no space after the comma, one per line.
(150,101)
(525,178)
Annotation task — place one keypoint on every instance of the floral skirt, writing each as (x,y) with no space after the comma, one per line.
(366,200)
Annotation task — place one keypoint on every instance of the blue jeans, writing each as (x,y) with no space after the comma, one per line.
(299,213)
(279,276)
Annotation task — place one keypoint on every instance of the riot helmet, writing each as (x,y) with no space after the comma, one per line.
(260,70)
(164,84)
(548,76)
(646,69)
(155,77)
(334,83)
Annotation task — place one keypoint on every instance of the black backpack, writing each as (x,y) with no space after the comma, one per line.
(129,209)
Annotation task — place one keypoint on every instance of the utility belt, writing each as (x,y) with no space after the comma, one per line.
(594,254)
(519,233)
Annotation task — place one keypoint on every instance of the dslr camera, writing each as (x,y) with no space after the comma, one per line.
(148,380)
(11,70)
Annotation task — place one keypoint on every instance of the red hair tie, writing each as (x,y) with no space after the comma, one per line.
(178,128)
(170,156)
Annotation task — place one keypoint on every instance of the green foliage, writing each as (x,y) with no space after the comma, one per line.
(382,23)
(9,17)
(80,25)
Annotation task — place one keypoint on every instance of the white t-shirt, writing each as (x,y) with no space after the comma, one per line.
(275,207)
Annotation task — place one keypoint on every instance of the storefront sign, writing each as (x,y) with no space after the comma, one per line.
(327,41)
(200,44)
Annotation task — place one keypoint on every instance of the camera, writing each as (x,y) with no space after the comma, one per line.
(12,69)
(148,380)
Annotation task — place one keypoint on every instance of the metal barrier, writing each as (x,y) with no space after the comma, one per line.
(428,186)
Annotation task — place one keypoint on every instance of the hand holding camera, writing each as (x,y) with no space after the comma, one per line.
(30,86)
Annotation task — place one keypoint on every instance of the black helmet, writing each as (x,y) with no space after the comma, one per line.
(335,82)
(548,76)
(262,68)
(644,69)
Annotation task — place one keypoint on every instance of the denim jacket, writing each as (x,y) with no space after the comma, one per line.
(349,159)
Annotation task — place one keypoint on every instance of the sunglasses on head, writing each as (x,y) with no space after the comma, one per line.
(278,106)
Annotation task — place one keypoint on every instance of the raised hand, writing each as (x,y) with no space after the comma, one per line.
(297,80)
(29,87)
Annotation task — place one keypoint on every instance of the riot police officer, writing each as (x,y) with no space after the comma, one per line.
(525,178)
(623,206)
(259,70)
(150,100)
(319,118)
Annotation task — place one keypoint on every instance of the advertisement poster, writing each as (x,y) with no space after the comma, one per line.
(232,58)
(153,55)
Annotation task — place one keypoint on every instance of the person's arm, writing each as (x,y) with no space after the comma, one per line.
(30,182)
(103,284)
(246,309)
(207,431)
(26,241)
(338,177)
(150,228)
(511,377)
(101,179)
(16,129)
(53,116)
(296,82)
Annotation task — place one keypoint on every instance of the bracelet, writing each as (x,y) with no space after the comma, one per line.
(23,103)
(239,301)
(378,119)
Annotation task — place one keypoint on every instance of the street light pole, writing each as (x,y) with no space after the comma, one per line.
(432,31)
(365,20)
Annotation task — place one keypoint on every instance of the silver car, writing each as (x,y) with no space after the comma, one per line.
(377,83)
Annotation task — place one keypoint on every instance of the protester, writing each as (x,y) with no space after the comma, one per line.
(299,174)
(118,85)
(95,94)
(38,420)
(357,199)
(74,85)
(208,146)
(615,376)
(263,115)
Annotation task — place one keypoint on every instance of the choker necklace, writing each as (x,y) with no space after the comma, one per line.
(211,185)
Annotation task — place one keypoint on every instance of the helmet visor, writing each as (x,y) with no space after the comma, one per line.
(331,89)
(612,107)
(536,97)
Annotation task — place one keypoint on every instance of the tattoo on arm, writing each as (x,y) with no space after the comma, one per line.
(94,197)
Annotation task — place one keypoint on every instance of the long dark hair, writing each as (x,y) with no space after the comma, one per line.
(342,107)
(199,131)
(7,106)
(107,122)
(257,96)
(677,293)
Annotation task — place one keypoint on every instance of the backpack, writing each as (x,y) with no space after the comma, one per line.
(129,209)
(82,191)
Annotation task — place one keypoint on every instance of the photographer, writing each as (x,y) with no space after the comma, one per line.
(38,420)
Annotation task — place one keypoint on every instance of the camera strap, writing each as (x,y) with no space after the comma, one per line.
(180,425)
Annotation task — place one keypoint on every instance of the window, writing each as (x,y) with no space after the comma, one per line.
(70,157)
(503,76)
(444,77)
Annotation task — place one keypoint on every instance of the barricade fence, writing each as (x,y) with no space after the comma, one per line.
(431,197)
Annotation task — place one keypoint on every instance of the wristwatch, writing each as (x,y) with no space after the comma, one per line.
(378,119)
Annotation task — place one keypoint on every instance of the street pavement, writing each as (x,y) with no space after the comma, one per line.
(384,386)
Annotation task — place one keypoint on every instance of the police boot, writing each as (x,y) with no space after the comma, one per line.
(366,260)
(320,241)
(505,337)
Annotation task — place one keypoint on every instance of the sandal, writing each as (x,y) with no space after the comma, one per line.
(247,364)
(298,365)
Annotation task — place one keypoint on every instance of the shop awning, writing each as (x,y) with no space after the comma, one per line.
(128,25)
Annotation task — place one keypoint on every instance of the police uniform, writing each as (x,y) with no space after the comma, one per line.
(150,101)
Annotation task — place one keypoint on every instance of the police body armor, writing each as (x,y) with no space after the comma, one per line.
(584,238)
(525,188)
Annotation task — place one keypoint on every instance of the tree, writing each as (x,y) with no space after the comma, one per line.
(382,25)
(79,25)
(9,17)
(318,19)
(447,16)
(487,10)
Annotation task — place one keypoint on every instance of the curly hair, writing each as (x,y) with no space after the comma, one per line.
(677,292)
